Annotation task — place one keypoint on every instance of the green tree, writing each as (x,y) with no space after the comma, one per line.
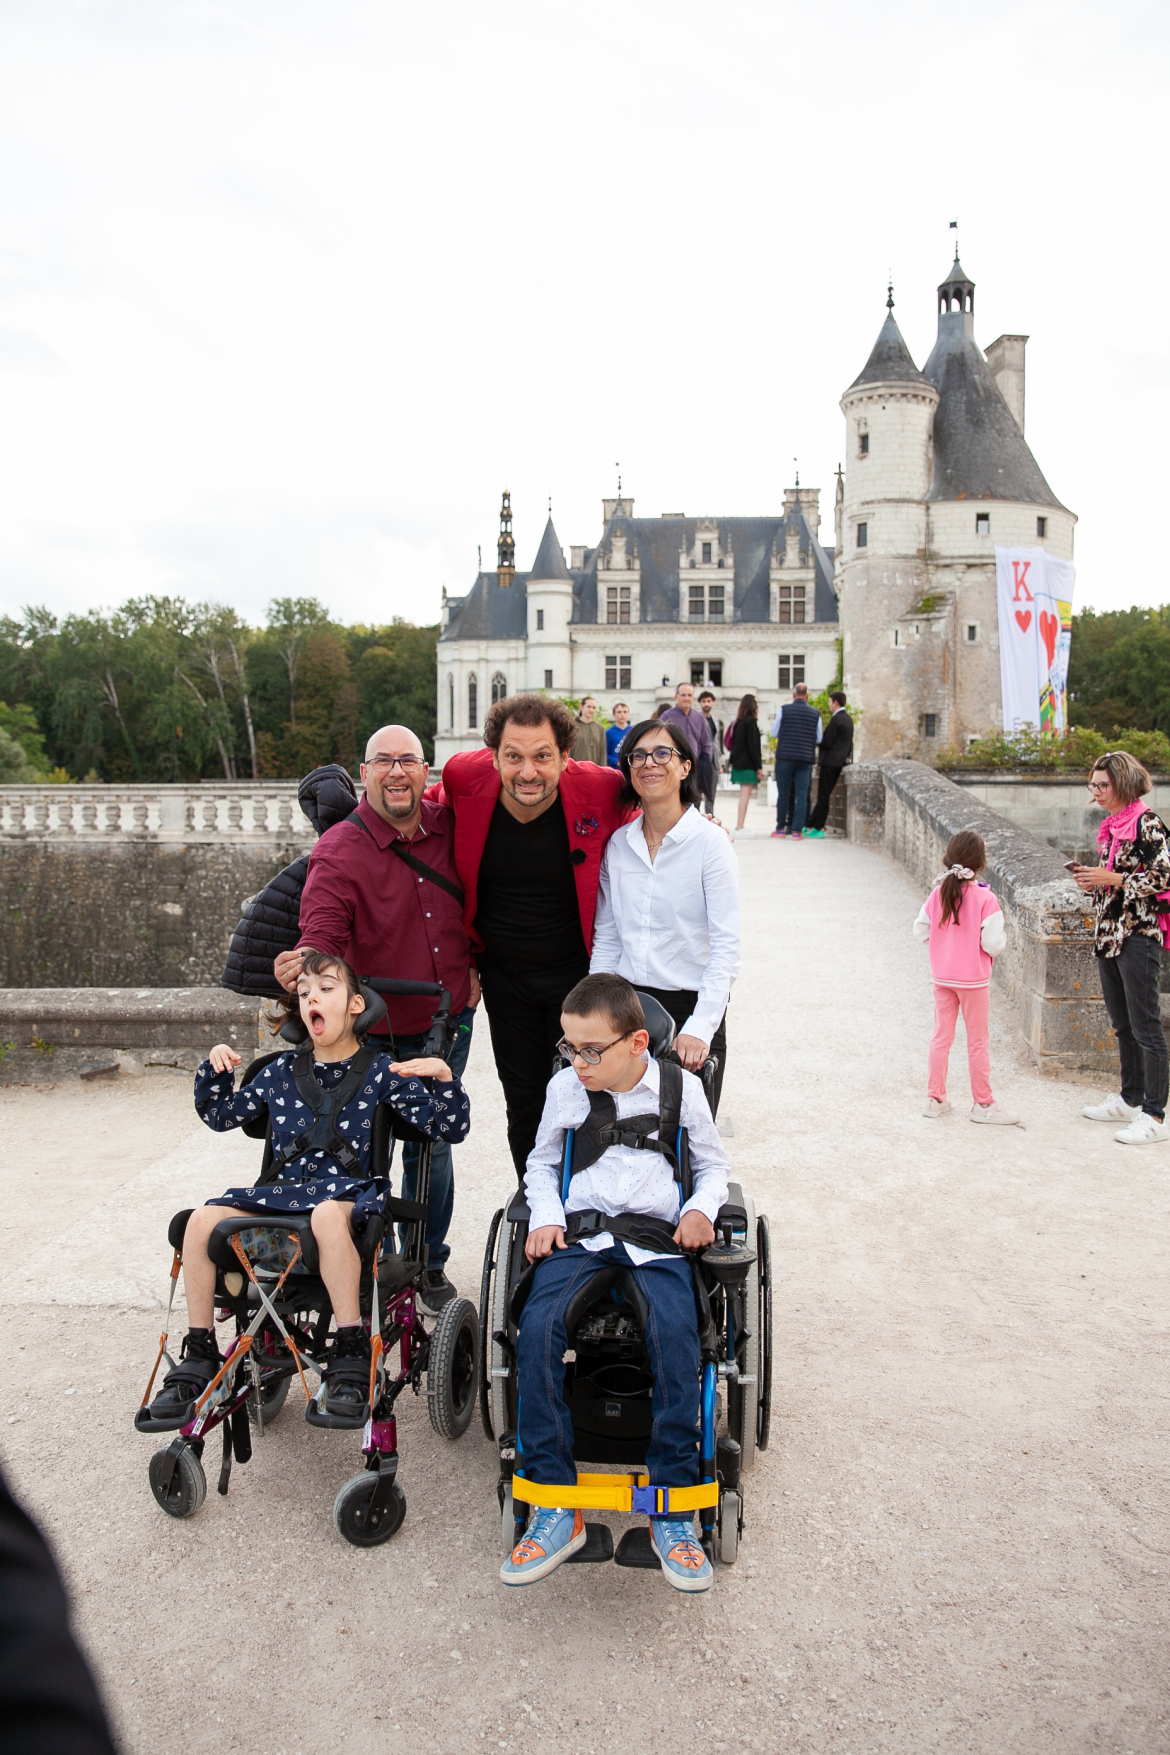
(1119,669)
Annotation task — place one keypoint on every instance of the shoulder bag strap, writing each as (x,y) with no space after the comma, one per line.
(427,871)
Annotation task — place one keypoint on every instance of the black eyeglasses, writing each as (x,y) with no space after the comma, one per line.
(408,764)
(591,1056)
(660,756)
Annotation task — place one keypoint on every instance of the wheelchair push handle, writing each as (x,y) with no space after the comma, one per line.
(405,988)
(436,1044)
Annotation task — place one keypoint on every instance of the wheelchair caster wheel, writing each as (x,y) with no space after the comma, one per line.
(353,1518)
(272,1400)
(187,1485)
(729,1515)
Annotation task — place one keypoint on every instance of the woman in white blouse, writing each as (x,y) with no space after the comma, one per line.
(668,907)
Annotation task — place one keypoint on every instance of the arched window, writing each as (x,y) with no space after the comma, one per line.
(450,702)
(499,687)
(472,704)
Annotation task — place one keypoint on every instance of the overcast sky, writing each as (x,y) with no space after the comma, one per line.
(289,292)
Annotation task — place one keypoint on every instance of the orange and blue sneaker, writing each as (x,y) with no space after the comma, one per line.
(551,1536)
(683,1562)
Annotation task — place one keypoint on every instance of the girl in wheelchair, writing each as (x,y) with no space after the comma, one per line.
(329,1179)
(622,1207)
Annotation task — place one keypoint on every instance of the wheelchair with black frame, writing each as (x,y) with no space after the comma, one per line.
(268,1282)
(608,1383)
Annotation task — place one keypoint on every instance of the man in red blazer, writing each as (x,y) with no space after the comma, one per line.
(530,828)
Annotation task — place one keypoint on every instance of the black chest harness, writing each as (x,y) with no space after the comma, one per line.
(601,1129)
(323,1135)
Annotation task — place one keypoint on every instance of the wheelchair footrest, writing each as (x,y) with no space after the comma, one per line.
(636,1549)
(315,1415)
(598,1546)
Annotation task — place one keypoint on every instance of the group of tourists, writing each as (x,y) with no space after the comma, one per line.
(556,890)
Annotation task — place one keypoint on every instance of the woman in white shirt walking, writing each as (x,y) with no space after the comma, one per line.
(668,907)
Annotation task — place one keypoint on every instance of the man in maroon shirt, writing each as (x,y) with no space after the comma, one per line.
(383,893)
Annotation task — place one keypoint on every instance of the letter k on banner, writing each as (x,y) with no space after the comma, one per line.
(1035,593)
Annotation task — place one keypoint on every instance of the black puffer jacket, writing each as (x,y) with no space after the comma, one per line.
(271,920)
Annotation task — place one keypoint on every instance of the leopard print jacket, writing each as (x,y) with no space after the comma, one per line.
(1133,907)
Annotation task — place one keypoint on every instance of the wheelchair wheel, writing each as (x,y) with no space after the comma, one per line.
(764,1328)
(485,1319)
(504,1402)
(730,1510)
(188,1486)
(272,1398)
(742,1398)
(351,1511)
(453,1368)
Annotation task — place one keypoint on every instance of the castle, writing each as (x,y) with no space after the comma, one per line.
(759,604)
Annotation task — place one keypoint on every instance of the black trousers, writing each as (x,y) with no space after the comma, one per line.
(1130,985)
(524,1016)
(829,777)
(680,1003)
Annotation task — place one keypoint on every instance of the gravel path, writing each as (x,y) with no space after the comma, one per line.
(957,1539)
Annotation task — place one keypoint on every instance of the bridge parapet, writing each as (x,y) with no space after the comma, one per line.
(1048,968)
(249,811)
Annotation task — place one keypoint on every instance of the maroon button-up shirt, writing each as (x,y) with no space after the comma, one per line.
(362,902)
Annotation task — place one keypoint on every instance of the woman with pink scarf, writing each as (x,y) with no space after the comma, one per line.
(1132,893)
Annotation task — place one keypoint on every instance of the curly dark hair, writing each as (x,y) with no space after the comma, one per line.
(288,1006)
(530,710)
(688,792)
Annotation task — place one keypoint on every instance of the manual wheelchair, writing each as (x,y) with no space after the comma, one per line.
(268,1282)
(608,1384)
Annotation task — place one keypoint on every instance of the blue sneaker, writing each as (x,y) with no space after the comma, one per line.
(683,1562)
(551,1537)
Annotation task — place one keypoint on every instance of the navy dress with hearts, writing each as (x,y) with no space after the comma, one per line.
(438,1110)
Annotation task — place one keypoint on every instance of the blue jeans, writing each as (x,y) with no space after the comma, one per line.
(441,1203)
(797,774)
(672,1341)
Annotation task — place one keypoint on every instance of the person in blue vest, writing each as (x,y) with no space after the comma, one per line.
(797,729)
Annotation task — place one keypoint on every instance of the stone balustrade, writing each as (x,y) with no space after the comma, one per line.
(245,811)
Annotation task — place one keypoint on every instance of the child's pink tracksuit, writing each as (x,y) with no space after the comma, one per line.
(961,954)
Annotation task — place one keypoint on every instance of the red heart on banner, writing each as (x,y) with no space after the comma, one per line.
(1024,617)
(1049,628)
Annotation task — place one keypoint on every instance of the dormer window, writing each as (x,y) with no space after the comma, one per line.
(863,445)
(706,554)
(705,603)
(983,523)
(791,603)
(617,603)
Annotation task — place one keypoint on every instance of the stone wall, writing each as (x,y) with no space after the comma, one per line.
(135,886)
(1048,968)
(53,1033)
(1054,807)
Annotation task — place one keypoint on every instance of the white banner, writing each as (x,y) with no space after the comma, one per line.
(1035,593)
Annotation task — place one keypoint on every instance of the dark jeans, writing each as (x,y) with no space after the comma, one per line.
(524,1015)
(672,1341)
(708,779)
(1130,988)
(797,774)
(441,1201)
(680,1003)
(820,811)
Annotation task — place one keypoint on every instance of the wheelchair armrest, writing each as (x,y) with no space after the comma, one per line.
(518,1213)
(733,1211)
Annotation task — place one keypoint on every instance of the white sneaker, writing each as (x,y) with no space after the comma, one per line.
(936,1106)
(993,1116)
(1113,1109)
(1143,1130)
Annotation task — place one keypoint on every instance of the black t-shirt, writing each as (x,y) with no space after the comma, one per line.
(528,913)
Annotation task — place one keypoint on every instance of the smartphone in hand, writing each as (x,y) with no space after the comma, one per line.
(1072,865)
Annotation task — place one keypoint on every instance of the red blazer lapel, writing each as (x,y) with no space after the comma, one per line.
(589,797)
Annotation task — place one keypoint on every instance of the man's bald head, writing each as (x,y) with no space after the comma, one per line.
(394,740)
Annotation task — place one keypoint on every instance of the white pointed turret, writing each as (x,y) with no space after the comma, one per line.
(550,612)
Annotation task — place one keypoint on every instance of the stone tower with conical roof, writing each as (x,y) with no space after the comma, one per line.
(938,474)
(550,613)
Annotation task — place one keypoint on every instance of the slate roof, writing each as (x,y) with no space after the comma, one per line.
(979,451)
(491,611)
(890,361)
(656,544)
(550,561)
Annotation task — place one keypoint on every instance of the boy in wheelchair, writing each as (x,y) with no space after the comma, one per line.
(622,1207)
(321,1145)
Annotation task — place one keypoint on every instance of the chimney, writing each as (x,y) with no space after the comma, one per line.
(577,557)
(1006,360)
